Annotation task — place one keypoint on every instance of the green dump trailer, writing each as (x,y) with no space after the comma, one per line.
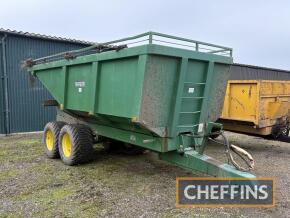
(139,93)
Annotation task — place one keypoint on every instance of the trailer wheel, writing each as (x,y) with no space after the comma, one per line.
(50,138)
(280,131)
(75,144)
(215,132)
(285,131)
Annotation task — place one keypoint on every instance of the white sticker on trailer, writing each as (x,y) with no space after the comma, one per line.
(191,90)
(200,128)
(80,84)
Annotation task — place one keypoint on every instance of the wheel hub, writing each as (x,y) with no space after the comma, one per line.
(66,145)
(49,140)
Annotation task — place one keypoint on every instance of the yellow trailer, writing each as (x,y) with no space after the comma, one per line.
(257,107)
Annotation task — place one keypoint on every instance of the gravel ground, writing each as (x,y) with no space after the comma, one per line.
(121,186)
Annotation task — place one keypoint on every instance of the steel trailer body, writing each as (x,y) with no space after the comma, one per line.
(157,97)
(256,106)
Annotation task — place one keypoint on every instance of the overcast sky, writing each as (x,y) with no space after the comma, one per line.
(257,30)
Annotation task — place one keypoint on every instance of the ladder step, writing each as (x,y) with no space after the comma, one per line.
(193,97)
(189,112)
(186,126)
(194,83)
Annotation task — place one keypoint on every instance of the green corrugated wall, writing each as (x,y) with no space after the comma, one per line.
(26,112)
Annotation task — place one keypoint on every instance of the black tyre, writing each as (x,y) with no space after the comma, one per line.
(50,138)
(279,131)
(75,144)
(215,132)
(284,137)
(285,131)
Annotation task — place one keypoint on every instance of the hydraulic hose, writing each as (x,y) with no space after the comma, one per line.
(243,154)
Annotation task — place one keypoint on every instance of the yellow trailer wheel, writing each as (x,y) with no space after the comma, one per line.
(66,145)
(75,144)
(50,138)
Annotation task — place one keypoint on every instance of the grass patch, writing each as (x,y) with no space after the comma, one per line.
(111,186)
(8,174)
(28,142)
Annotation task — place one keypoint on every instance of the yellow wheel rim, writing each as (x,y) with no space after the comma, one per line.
(66,145)
(49,140)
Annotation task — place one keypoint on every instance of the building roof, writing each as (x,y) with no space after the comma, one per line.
(46,37)
(261,68)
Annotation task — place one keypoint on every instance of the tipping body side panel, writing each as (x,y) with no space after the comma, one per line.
(256,106)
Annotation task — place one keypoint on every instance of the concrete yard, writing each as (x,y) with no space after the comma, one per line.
(121,186)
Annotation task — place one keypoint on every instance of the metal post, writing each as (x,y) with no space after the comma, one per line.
(5,84)
(150,38)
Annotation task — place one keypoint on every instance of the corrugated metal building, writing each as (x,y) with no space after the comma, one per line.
(249,72)
(21,107)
